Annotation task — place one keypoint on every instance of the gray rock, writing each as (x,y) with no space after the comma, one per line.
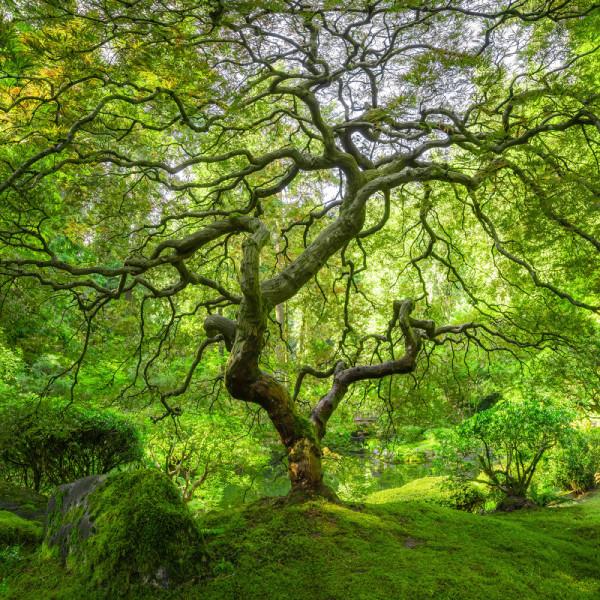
(58,529)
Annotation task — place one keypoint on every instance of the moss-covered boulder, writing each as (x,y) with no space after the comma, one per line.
(125,529)
(22,501)
(437,490)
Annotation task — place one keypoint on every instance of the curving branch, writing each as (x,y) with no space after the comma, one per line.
(344,376)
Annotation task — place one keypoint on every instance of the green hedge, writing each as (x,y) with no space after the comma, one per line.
(48,443)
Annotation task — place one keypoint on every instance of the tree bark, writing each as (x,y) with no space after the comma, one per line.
(296,433)
(246,381)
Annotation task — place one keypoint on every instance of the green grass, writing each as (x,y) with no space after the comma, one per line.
(409,550)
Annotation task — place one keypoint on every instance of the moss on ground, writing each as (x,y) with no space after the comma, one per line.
(406,550)
(15,531)
(320,551)
(22,501)
(437,490)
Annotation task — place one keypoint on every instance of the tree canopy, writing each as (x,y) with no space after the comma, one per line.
(383,181)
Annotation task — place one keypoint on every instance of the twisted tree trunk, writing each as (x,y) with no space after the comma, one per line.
(301,436)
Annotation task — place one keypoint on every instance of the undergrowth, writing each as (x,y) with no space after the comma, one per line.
(320,551)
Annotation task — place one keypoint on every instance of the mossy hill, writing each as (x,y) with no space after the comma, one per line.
(17,531)
(22,501)
(437,490)
(411,550)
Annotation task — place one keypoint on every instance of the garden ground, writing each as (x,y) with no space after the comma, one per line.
(320,551)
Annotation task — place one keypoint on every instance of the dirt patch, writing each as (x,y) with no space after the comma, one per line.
(411,543)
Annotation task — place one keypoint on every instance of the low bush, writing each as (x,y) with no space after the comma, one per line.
(410,434)
(436,433)
(49,443)
(502,447)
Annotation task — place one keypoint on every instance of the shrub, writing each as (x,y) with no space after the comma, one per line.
(49,443)
(486,402)
(204,453)
(543,495)
(410,434)
(505,444)
(576,461)
(436,433)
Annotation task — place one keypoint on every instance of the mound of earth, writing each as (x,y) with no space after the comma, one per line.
(22,501)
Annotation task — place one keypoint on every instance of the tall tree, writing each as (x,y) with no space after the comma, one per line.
(190,159)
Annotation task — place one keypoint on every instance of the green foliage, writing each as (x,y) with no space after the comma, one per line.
(46,442)
(505,443)
(487,402)
(435,433)
(10,368)
(223,567)
(437,490)
(9,559)
(204,453)
(575,463)
(410,433)
(543,495)
(10,556)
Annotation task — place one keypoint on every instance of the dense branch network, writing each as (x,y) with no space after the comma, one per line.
(328,111)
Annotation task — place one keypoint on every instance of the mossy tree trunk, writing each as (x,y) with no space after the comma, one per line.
(245,381)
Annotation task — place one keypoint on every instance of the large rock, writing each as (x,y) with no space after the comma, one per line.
(127,528)
(69,519)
